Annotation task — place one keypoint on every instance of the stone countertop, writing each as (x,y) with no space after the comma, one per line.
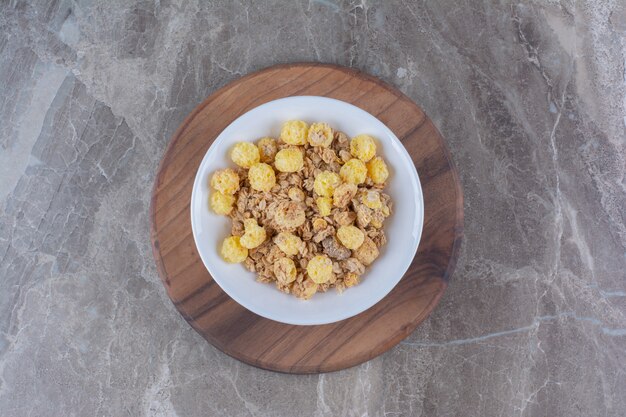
(530,96)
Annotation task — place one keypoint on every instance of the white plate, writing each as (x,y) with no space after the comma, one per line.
(403,227)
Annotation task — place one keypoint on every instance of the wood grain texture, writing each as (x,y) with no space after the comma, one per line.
(305,349)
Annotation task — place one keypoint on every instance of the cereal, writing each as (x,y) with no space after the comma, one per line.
(289,243)
(325,183)
(377,170)
(353,265)
(343,218)
(232,251)
(343,194)
(221,203)
(350,236)
(363,147)
(254,234)
(363,215)
(378,217)
(285,270)
(296,194)
(320,134)
(319,224)
(261,177)
(354,171)
(324,205)
(320,269)
(267,149)
(226,181)
(351,279)
(371,199)
(245,154)
(288,160)
(309,288)
(333,249)
(294,132)
(367,252)
(323,234)
(289,215)
(307,210)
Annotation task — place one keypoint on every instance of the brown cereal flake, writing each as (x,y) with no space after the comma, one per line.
(367,252)
(334,249)
(344,194)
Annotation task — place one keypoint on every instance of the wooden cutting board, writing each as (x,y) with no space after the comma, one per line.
(305,349)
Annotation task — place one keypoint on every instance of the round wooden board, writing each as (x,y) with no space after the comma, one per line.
(305,349)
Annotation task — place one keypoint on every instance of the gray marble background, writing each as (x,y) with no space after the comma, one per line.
(531,96)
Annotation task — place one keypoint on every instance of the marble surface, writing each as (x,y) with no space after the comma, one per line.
(531,96)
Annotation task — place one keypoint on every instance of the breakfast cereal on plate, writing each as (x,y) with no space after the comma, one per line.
(307,208)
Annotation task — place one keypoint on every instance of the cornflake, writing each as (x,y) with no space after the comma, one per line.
(307,208)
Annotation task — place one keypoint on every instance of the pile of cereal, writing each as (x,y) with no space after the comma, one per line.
(307,209)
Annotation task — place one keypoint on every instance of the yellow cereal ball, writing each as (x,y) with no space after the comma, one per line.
(245,154)
(353,171)
(289,243)
(253,235)
(350,236)
(324,205)
(310,288)
(363,147)
(289,160)
(296,194)
(267,149)
(351,279)
(371,199)
(232,251)
(320,134)
(285,270)
(320,269)
(261,177)
(226,181)
(294,132)
(377,170)
(325,183)
(222,203)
